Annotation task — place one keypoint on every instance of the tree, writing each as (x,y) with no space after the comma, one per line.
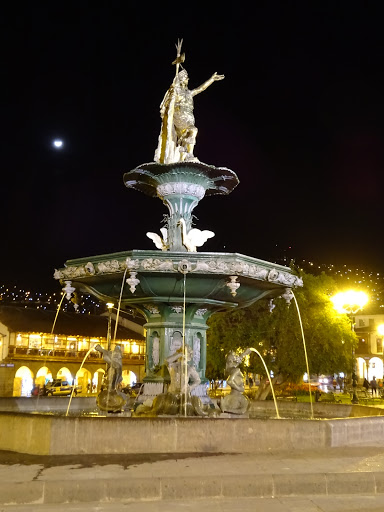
(277,335)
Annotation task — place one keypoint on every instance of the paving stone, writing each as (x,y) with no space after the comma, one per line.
(192,487)
(297,484)
(135,489)
(21,492)
(69,491)
(248,486)
(350,483)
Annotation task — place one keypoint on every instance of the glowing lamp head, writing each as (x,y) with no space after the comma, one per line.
(380,329)
(349,302)
(110,305)
(58,143)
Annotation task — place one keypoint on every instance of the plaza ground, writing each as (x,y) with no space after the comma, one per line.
(315,480)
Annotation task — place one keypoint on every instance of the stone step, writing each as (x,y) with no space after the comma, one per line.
(108,490)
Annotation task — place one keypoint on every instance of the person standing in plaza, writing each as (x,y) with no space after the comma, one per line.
(373,385)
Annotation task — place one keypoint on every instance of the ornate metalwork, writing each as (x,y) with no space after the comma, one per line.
(154,310)
(233,285)
(68,289)
(287,295)
(133,281)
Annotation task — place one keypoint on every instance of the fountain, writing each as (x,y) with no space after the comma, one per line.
(175,287)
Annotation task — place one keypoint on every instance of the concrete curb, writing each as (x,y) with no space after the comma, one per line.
(195,487)
(87,435)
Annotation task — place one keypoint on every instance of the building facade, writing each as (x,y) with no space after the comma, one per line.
(36,348)
(369,351)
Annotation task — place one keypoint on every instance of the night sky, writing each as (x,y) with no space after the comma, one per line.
(299,118)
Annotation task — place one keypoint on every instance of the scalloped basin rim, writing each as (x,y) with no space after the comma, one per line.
(182,255)
(215,180)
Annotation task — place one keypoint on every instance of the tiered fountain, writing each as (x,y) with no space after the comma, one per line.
(175,287)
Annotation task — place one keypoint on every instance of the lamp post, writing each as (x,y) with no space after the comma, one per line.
(350,302)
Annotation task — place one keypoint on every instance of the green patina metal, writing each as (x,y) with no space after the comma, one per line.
(157,283)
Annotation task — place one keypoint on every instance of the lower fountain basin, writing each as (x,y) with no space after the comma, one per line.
(46,434)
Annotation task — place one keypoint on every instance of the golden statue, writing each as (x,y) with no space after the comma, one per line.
(178,131)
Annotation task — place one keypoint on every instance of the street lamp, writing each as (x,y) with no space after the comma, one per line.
(350,302)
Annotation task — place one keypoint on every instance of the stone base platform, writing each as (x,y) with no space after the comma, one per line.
(101,481)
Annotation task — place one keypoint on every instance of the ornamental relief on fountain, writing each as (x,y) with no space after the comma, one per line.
(225,266)
(180,188)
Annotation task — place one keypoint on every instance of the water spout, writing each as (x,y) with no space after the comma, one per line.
(119,304)
(57,313)
(137,397)
(270,380)
(73,387)
(184,367)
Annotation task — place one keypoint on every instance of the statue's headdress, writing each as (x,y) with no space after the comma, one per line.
(233,360)
(182,75)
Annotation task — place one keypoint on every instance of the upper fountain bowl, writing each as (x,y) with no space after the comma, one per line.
(192,178)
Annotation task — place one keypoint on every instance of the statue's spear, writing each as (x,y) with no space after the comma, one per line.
(167,148)
(180,58)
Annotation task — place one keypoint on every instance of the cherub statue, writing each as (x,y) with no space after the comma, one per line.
(235,402)
(178,131)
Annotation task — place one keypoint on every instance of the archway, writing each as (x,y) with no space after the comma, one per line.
(84,379)
(176,341)
(65,374)
(43,376)
(23,382)
(361,368)
(197,343)
(375,369)
(97,380)
(129,378)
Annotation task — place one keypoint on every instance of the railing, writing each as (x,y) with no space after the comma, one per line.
(62,354)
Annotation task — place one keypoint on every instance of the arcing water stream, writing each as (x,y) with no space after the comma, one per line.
(270,380)
(305,353)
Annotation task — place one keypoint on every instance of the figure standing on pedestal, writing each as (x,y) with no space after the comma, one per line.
(112,399)
(235,402)
(178,399)
(114,361)
(178,131)
(177,364)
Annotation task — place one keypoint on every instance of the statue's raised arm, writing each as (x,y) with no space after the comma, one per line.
(214,78)
(178,131)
